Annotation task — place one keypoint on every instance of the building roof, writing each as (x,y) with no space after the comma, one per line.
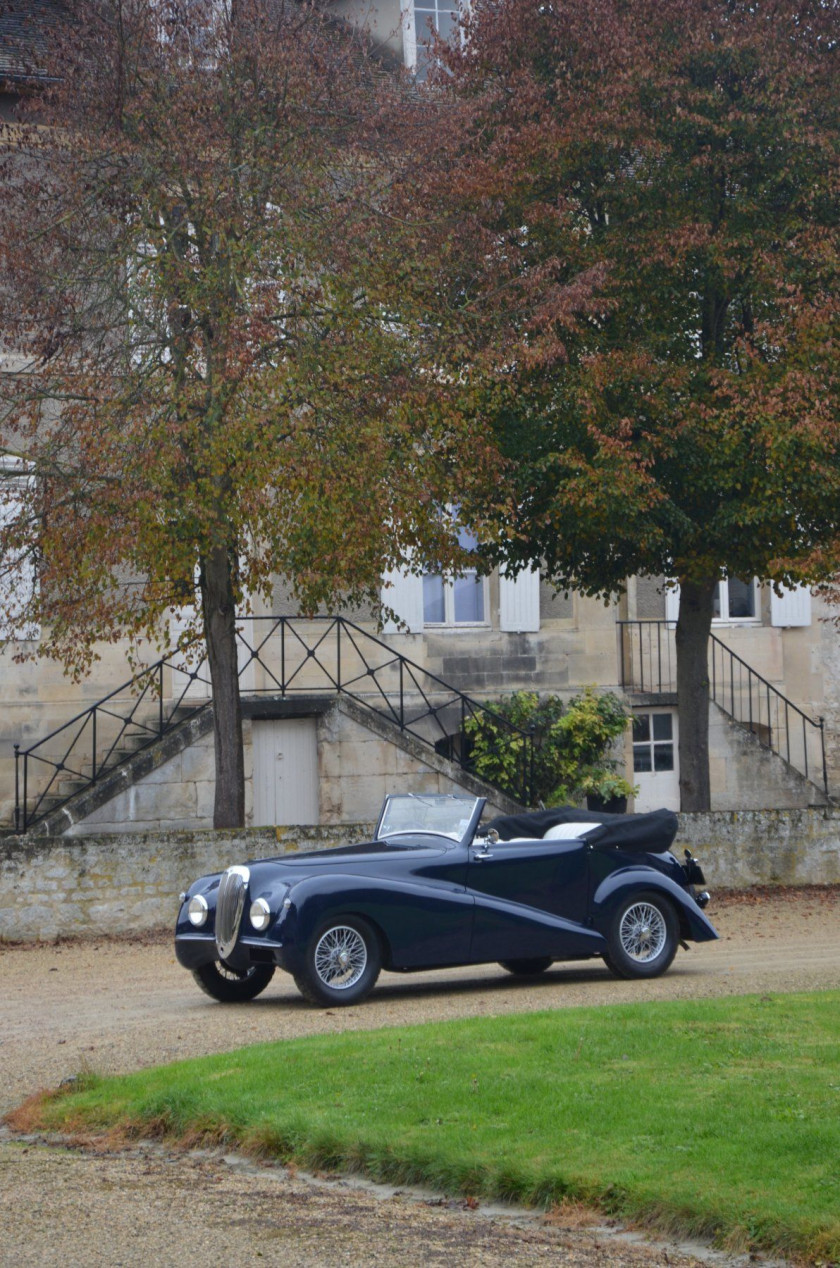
(25,27)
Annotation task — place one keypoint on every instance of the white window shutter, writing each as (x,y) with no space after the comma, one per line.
(519,601)
(402,591)
(672,604)
(17,573)
(791,607)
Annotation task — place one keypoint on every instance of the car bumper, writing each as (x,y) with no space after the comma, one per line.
(195,949)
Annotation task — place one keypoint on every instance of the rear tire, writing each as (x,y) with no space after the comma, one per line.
(643,937)
(233,986)
(342,963)
(528,968)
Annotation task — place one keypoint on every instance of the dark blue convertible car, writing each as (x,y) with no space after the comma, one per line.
(433,889)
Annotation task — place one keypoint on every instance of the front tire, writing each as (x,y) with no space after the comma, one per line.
(527,968)
(342,963)
(233,986)
(643,937)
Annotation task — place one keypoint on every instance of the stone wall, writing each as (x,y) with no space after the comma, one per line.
(740,848)
(118,883)
(61,887)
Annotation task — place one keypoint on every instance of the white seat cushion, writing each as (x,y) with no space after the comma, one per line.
(569,831)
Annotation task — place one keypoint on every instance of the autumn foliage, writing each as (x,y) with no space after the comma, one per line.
(654,187)
(210,376)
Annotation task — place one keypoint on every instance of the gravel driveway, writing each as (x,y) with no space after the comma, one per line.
(115,1006)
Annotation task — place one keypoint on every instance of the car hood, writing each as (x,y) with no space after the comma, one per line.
(373,855)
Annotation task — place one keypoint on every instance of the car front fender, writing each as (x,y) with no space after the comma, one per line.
(613,890)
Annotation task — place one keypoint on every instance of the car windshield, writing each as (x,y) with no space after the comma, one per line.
(451,815)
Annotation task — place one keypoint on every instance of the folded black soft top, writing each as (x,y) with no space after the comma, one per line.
(652,833)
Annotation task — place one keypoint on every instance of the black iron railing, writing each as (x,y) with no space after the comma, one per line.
(95,742)
(278,657)
(648,660)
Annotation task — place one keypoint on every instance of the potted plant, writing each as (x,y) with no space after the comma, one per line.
(606,790)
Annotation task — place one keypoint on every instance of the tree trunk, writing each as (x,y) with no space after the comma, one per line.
(219,610)
(693,629)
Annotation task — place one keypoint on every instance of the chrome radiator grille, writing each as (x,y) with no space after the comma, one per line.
(229,907)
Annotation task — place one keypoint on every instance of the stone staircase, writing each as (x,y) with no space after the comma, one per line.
(127,735)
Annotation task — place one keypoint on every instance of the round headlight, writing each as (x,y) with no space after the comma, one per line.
(260,914)
(197,910)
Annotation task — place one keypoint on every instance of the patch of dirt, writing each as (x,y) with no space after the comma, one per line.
(112,1005)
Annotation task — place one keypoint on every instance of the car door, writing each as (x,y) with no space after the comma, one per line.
(416,893)
(531,899)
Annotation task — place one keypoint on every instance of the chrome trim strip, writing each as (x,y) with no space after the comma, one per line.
(230,904)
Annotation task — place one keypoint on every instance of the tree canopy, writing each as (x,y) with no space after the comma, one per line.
(678,160)
(212,379)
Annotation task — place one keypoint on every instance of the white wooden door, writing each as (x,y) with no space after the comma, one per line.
(655,762)
(285,771)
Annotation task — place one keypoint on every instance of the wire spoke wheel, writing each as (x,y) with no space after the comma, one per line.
(642,937)
(643,932)
(340,957)
(231,974)
(223,982)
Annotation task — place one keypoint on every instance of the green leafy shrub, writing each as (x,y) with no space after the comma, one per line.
(571,746)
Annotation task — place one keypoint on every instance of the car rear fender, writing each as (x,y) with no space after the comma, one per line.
(612,891)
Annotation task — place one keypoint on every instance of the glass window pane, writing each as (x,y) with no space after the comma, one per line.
(424,26)
(467,540)
(433,609)
(663,757)
(469,598)
(741,598)
(641,758)
(716,603)
(663,726)
(641,727)
(421,69)
(445,25)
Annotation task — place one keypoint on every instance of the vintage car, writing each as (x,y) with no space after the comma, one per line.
(434,890)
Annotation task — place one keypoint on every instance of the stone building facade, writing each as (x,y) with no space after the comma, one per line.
(317,753)
(779,656)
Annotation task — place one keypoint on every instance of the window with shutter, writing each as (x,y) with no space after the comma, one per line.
(735,602)
(458,600)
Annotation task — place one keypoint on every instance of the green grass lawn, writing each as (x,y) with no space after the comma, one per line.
(718,1118)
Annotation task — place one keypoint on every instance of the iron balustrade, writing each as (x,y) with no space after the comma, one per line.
(648,663)
(281,657)
(92,744)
